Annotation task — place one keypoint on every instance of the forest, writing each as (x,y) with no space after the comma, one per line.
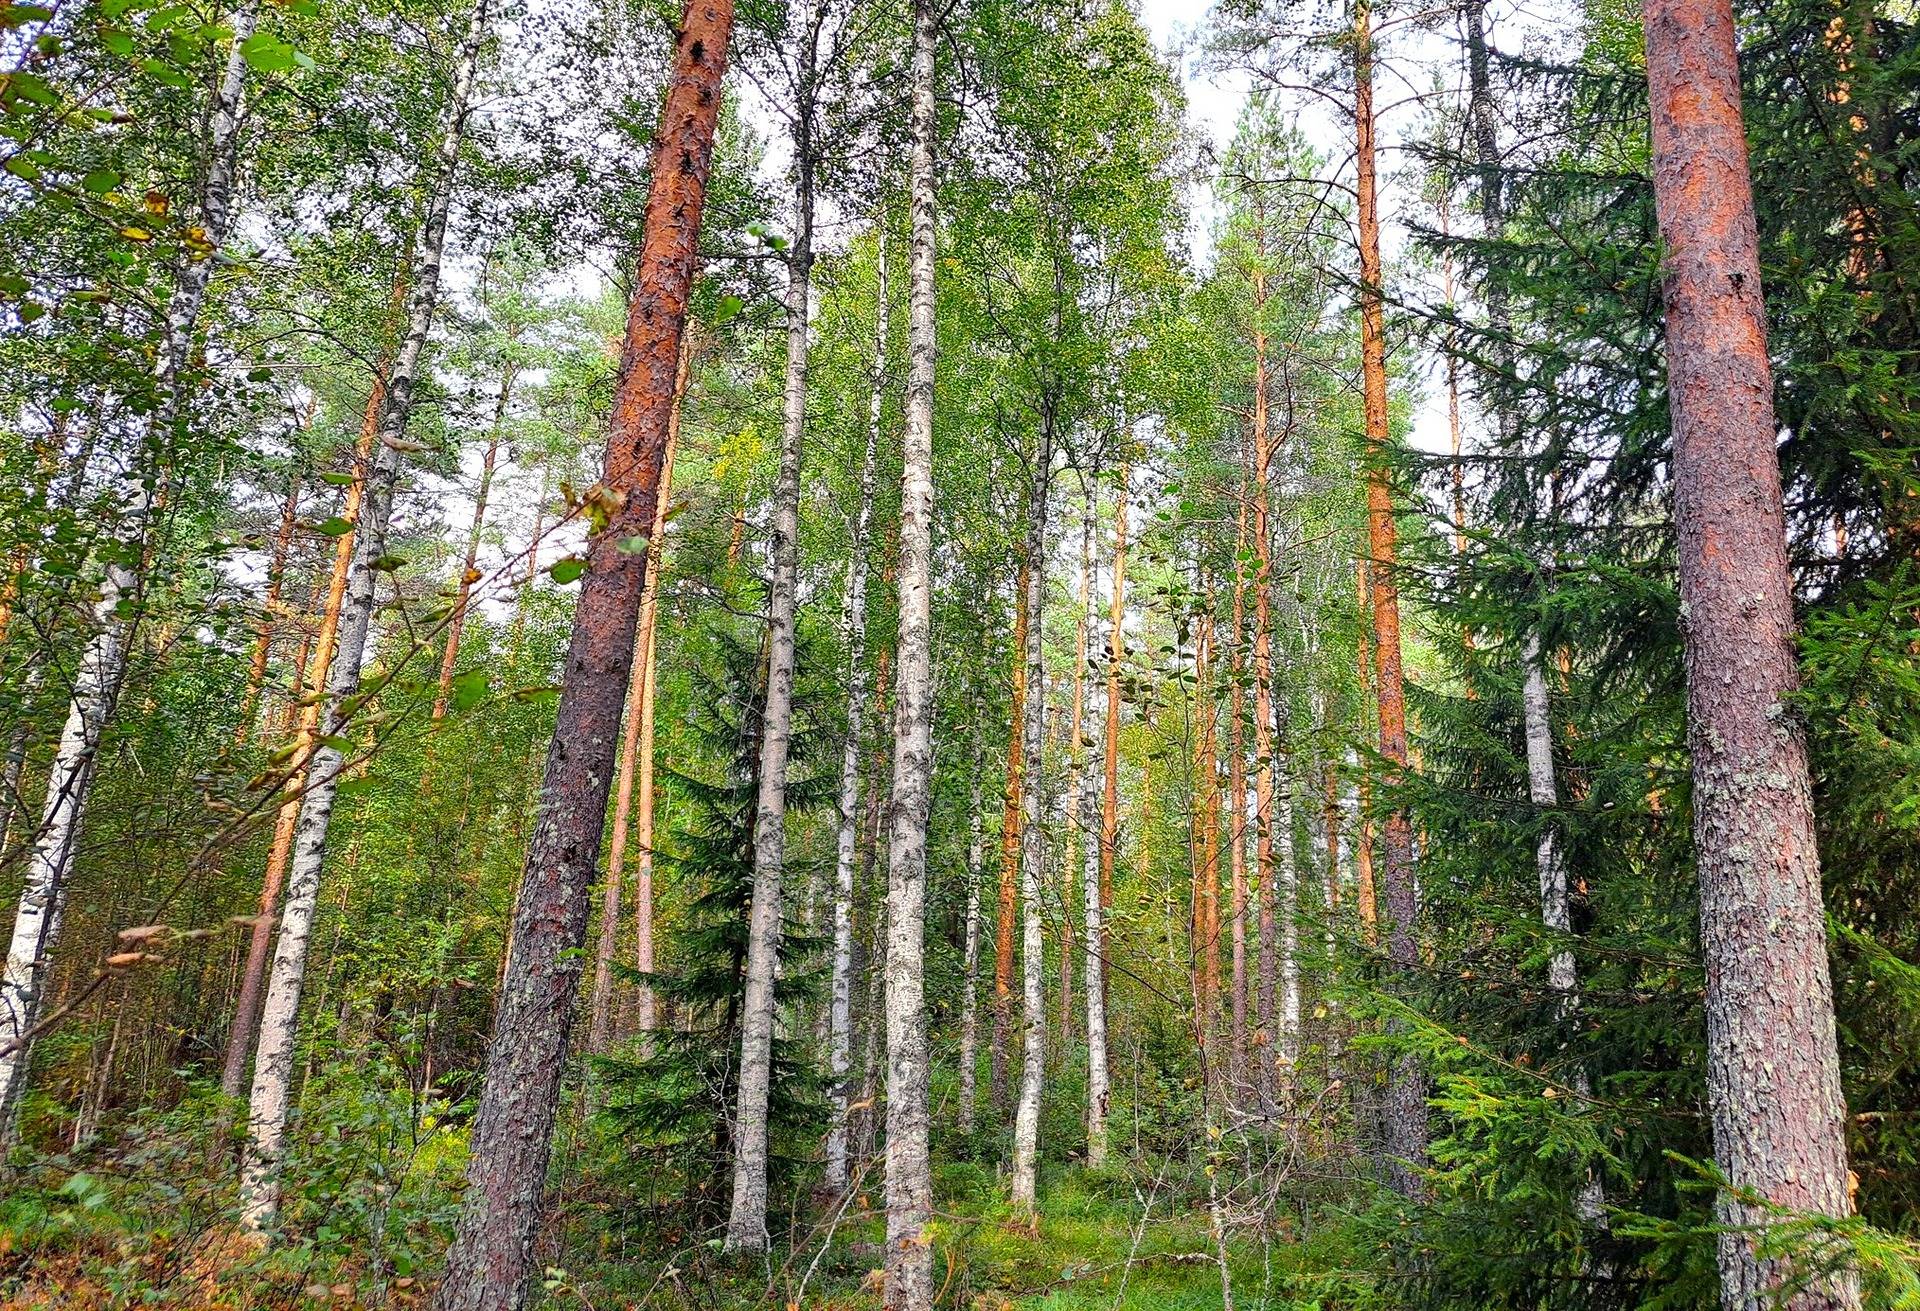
(887,654)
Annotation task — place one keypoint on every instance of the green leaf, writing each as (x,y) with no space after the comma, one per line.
(100,181)
(469,689)
(22,167)
(335,527)
(160,71)
(729,307)
(117,42)
(267,53)
(337,479)
(565,571)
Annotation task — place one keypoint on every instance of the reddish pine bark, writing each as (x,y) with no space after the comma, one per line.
(1773,1079)
(487,1266)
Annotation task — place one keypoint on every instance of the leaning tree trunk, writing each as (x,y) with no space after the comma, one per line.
(270,1100)
(854,620)
(638,727)
(747,1225)
(488,1264)
(1406,1109)
(909,1182)
(1773,1073)
(1033,852)
(36,923)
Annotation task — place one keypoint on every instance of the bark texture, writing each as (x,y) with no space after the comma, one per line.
(1773,1079)
(487,1266)
(270,1099)
(909,1184)
(96,680)
(1010,849)
(1033,846)
(1406,1109)
(854,625)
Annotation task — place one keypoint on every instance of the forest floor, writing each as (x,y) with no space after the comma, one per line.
(1089,1250)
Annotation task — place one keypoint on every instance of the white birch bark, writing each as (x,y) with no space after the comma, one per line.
(970,959)
(854,621)
(1026,1119)
(36,925)
(269,1101)
(1094,980)
(909,1175)
(747,1224)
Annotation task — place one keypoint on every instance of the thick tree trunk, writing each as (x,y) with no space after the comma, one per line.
(1773,1077)
(1009,850)
(487,1266)
(1406,1111)
(854,623)
(909,1186)
(96,682)
(270,1099)
(463,588)
(1033,844)
(747,1225)
(637,727)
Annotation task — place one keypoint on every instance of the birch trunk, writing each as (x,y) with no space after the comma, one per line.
(909,1176)
(1773,1071)
(1110,790)
(1026,1121)
(269,1102)
(1094,982)
(747,1225)
(487,1266)
(96,682)
(1010,849)
(638,727)
(970,961)
(1082,837)
(854,624)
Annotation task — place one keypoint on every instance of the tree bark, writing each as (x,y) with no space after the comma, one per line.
(269,1102)
(1406,1111)
(854,623)
(487,1266)
(1010,848)
(96,683)
(1237,806)
(747,1225)
(1033,850)
(909,1182)
(1773,1078)
(970,960)
(638,726)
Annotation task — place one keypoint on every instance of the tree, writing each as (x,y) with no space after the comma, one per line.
(1773,1070)
(487,1265)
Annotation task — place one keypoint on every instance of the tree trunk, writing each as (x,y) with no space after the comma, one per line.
(909,1177)
(1082,838)
(747,1225)
(854,623)
(1237,809)
(1098,1089)
(970,961)
(96,681)
(1773,1078)
(1406,1110)
(263,631)
(1206,844)
(1110,793)
(1010,848)
(269,1102)
(1033,844)
(244,1031)
(463,589)
(512,1131)
(639,703)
